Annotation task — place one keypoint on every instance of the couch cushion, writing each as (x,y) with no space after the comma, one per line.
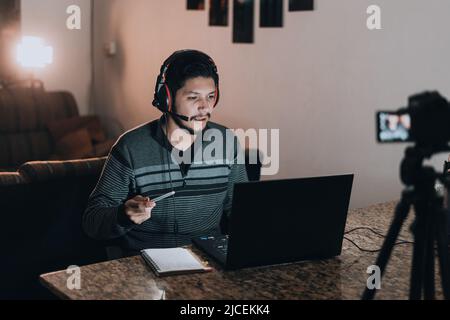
(62,127)
(18,148)
(103,149)
(24,114)
(26,109)
(49,170)
(74,145)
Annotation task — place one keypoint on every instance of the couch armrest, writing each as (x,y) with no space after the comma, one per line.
(49,170)
(11,178)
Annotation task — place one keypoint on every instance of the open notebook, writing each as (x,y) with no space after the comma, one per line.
(173,261)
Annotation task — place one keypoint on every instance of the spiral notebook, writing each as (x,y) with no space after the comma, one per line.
(173,261)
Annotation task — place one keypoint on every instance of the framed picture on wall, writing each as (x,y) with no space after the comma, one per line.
(271,13)
(196,4)
(218,12)
(301,5)
(243,17)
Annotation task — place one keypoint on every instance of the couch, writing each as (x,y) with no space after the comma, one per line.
(41,207)
(39,125)
(42,201)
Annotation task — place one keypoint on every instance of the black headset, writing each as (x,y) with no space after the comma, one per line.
(164,96)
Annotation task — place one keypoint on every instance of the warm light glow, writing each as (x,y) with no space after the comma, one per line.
(32,53)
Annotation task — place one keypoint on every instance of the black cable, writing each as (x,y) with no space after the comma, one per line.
(372,230)
(377,250)
(361,249)
(365,228)
(175,226)
(401,242)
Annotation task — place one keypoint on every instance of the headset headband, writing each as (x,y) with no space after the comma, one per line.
(163,96)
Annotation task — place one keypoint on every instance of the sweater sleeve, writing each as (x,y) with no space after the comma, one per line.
(104,217)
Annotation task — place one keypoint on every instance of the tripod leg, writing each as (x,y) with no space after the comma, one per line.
(429,275)
(418,260)
(443,254)
(401,212)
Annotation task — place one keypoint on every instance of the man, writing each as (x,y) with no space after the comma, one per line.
(141,166)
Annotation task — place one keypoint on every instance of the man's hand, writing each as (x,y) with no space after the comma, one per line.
(139,209)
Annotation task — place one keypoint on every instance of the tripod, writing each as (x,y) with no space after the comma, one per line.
(429,227)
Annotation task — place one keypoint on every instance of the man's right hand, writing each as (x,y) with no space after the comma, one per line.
(139,209)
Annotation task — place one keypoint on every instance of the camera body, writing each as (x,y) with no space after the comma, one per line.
(426,121)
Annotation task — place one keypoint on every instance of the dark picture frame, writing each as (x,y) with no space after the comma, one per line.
(243,21)
(196,4)
(218,12)
(271,13)
(301,5)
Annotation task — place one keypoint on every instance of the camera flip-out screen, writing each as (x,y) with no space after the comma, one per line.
(392,127)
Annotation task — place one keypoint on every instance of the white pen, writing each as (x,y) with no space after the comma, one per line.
(163,196)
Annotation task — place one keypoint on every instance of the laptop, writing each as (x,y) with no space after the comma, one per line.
(282,221)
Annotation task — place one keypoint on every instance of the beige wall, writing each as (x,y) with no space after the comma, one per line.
(319,79)
(71,69)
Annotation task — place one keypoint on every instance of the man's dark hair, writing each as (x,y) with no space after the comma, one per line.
(187,68)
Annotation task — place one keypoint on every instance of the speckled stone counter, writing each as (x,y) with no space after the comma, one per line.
(343,277)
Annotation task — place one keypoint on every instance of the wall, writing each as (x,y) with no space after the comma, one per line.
(319,79)
(71,68)
(9,33)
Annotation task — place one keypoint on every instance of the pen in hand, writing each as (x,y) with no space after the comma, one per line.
(163,196)
(139,209)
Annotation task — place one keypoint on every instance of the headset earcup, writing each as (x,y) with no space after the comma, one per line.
(162,99)
(169,99)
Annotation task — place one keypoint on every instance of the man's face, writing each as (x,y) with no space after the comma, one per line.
(196,100)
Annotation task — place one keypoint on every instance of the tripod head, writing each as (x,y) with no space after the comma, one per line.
(414,173)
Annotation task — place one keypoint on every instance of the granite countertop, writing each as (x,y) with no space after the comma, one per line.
(343,277)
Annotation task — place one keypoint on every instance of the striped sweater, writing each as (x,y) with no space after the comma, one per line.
(138,164)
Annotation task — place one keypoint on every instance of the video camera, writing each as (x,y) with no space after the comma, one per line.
(426,121)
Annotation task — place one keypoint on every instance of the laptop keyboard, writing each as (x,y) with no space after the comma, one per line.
(221,245)
(216,246)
